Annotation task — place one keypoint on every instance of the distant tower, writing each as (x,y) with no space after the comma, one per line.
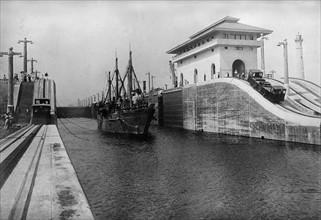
(299,57)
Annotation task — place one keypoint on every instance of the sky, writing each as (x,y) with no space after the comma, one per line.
(76,42)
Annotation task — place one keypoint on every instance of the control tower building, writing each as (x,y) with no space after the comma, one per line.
(223,49)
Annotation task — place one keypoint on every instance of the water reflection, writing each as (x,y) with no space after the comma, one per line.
(185,175)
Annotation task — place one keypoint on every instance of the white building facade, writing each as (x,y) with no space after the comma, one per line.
(224,49)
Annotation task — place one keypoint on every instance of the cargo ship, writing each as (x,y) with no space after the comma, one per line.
(126,112)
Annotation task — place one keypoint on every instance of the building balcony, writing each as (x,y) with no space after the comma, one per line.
(215,43)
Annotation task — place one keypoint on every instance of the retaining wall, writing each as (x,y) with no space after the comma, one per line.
(222,107)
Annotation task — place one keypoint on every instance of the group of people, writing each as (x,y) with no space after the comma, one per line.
(240,75)
(26,77)
(8,118)
(114,105)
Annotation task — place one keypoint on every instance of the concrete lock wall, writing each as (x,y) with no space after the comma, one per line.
(3,96)
(222,107)
(173,108)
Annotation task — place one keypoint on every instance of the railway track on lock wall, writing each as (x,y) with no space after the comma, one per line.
(13,147)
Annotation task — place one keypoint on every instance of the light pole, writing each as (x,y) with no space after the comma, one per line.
(172,70)
(148,81)
(25,41)
(153,82)
(32,61)
(262,54)
(299,56)
(286,73)
(272,73)
(10,54)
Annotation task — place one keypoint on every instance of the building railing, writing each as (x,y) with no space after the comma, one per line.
(214,43)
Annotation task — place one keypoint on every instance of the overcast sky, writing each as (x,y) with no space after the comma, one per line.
(76,41)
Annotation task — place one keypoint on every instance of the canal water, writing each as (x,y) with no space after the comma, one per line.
(176,174)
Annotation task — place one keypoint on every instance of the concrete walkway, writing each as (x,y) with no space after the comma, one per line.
(44,184)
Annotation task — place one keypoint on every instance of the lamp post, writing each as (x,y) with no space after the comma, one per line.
(32,61)
(153,82)
(10,54)
(286,73)
(272,73)
(262,54)
(299,56)
(25,41)
(148,81)
(172,71)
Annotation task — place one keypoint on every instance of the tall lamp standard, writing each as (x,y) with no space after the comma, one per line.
(262,54)
(32,61)
(148,81)
(152,82)
(10,54)
(286,73)
(25,58)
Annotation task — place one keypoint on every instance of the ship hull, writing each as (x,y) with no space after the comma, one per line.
(134,121)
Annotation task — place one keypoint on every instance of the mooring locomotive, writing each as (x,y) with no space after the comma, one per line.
(44,102)
(273,93)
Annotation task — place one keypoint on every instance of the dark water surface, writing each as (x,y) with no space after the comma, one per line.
(177,174)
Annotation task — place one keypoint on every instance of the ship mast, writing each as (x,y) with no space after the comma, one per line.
(130,78)
(109,87)
(117,76)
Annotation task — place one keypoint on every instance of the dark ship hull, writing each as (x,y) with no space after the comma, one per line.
(131,121)
(126,112)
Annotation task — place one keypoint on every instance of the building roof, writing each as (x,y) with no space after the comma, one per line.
(229,24)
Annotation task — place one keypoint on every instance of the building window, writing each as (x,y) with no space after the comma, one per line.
(204,77)
(212,71)
(251,37)
(195,57)
(181,82)
(225,36)
(238,48)
(251,48)
(243,37)
(225,48)
(195,76)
